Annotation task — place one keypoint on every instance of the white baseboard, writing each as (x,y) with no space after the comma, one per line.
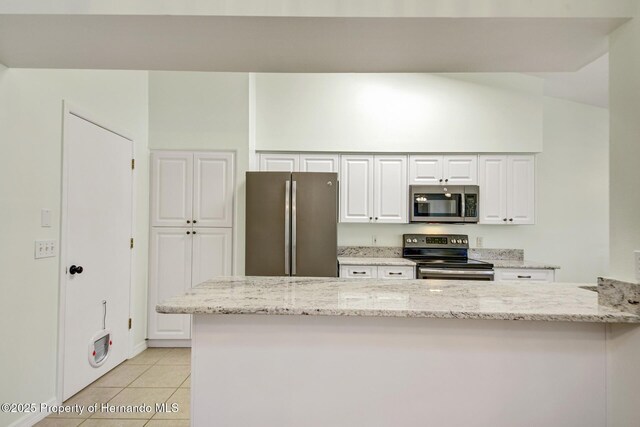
(168,343)
(27,420)
(139,348)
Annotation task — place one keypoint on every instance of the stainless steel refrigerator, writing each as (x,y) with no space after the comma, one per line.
(291,224)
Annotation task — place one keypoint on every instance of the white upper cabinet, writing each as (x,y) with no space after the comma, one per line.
(425,170)
(319,163)
(211,254)
(192,188)
(356,188)
(521,189)
(507,189)
(276,162)
(171,188)
(373,189)
(449,169)
(390,189)
(460,170)
(213,189)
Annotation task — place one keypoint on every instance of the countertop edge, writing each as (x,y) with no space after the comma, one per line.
(623,317)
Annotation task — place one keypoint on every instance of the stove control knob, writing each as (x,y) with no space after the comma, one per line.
(408,240)
(465,241)
(415,240)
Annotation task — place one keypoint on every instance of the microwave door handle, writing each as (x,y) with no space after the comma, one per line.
(287,191)
(463,213)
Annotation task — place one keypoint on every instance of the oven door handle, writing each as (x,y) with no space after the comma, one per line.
(461,274)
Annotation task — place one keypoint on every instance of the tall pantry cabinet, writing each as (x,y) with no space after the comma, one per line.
(192,196)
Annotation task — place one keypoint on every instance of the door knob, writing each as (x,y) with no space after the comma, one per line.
(75,269)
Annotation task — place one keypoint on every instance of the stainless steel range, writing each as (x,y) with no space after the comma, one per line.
(444,257)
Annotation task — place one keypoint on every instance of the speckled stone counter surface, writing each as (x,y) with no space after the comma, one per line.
(450,299)
(620,295)
(375,261)
(505,263)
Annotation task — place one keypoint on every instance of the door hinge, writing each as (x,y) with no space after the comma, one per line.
(133,163)
(130,322)
(131,243)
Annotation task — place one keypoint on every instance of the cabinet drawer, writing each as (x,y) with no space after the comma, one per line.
(395,272)
(524,275)
(359,271)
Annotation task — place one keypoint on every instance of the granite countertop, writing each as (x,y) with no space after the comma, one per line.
(449,299)
(511,263)
(342,260)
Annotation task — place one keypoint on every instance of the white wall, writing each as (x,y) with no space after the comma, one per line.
(624,100)
(30,177)
(571,190)
(399,112)
(204,111)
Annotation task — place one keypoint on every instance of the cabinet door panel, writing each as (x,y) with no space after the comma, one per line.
(279,162)
(319,163)
(356,189)
(425,170)
(461,170)
(213,189)
(171,188)
(521,189)
(390,189)
(169,275)
(493,189)
(211,254)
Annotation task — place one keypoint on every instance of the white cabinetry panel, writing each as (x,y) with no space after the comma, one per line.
(211,254)
(171,188)
(213,190)
(460,170)
(285,162)
(425,170)
(169,275)
(390,189)
(507,189)
(356,189)
(521,189)
(493,189)
(538,275)
(319,163)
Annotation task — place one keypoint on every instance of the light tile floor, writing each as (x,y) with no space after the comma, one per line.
(157,375)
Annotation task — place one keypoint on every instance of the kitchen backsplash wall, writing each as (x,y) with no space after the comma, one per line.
(396,252)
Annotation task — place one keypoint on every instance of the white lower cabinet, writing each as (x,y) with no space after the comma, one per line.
(180,258)
(538,275)
(377,272)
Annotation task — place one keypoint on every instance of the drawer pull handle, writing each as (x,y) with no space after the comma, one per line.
(524,277)
(359,272)
(392,273)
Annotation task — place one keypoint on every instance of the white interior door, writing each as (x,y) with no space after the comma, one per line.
(169,275)
(171,188)
(97,228)
(213,187)
(211,254)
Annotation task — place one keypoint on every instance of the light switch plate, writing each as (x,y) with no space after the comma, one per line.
(637,264)
(45,249)
(45,217)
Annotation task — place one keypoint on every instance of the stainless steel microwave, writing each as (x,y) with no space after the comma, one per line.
(444,203)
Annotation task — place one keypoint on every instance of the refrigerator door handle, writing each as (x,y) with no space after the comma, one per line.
(287,191)
(293,229)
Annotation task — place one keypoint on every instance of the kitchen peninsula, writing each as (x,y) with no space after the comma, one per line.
(295,351)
